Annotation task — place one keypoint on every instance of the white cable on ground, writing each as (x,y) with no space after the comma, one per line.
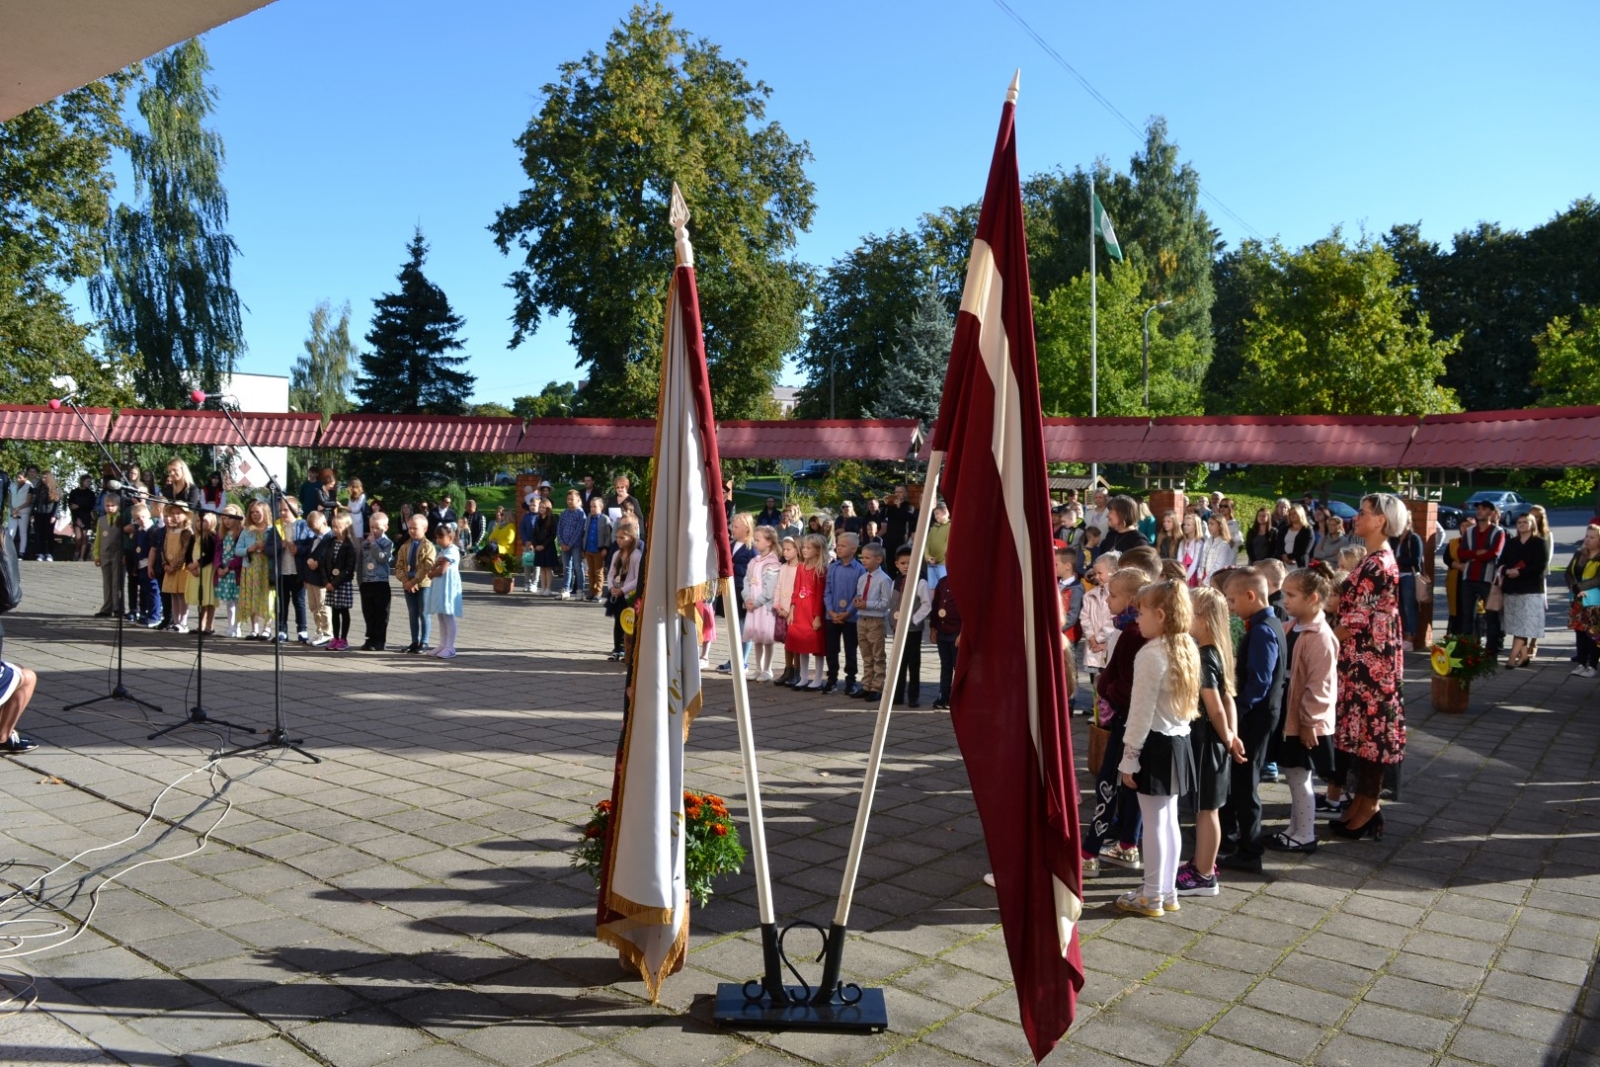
(54,928)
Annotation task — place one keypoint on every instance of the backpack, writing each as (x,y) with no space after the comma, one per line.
(10,575)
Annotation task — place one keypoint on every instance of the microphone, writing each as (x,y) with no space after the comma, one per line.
(198,396)
(69,388)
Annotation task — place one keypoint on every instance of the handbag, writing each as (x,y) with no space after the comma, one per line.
(1591,598)
(780,629)
(1496,600)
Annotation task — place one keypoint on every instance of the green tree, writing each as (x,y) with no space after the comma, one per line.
(1331,335)
(1568,373)
(1236,278)
(555,400)
(863,299)
(490,409)
(615,131)
(1061,333)
(168,295)
(1156,208)
(412,368)
(55,190)
(321,378)
(914,380)
(1497,289)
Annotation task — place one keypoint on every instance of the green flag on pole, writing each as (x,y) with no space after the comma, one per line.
(1102,227)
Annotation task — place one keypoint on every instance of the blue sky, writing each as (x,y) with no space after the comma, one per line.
(348,123)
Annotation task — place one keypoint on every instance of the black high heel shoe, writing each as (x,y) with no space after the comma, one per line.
(1373,826)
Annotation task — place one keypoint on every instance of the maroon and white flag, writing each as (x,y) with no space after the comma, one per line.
(644,906)
(1009,699)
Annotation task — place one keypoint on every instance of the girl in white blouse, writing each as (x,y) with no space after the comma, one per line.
(1157,759)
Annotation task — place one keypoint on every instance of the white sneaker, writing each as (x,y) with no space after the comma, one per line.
(1405,646)
(1590,672)
(1577,672)
(566,596)
(180,629)
(753,675)
(320,640)
(988,879)
(764,676)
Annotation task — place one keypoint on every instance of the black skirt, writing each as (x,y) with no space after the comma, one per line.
(1292,752)
(1211,765)
(1166,766)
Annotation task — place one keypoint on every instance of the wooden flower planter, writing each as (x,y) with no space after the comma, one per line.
(1450,695)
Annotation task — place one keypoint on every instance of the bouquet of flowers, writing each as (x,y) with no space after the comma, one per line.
(1463,658)
(713,843)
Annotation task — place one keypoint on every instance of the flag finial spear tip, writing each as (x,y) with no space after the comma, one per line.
(678,215)
(1016,84)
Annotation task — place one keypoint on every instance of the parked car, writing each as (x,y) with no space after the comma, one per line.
(815,471)
(1450,517)
(1512,507)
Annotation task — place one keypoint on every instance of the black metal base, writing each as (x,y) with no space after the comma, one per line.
(278,737)
(868,1015)
(767,1004)
(118,693)
(198,717)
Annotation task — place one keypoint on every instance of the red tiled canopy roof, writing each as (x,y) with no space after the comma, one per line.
(424,433)
(1282,440)
(265,429)
(825,439)
(590,437)
(36,422)
(1537,437)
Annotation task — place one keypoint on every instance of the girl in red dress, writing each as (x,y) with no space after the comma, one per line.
(804,639)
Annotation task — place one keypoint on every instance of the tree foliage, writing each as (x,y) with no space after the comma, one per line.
(914,380)
(1568,373)
(615,131)
(863,299)
(412,367)
(1332,334)
(1497,289)
(55,198)
(321,378)
(1061,332)
(167,295)
(556,400)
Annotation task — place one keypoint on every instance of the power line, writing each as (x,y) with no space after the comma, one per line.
(1101,99)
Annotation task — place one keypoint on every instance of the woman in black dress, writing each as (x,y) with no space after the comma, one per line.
(1262,538)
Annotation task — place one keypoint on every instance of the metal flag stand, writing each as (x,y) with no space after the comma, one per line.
(833,1004)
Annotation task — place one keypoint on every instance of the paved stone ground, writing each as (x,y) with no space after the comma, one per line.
(410,899)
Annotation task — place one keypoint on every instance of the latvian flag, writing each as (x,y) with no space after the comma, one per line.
(1009,700)
(643,908)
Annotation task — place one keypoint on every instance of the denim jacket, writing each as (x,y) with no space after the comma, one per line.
(377,558)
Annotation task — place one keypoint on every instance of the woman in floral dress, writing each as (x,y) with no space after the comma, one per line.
(1371,726)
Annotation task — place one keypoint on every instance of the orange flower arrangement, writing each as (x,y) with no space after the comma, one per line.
(713,842)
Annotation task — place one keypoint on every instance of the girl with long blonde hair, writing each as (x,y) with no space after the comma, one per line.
(1215,737)
(1157,759)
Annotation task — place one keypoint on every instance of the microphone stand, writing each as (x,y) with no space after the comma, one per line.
(118,691)
(278,736)
(197,714)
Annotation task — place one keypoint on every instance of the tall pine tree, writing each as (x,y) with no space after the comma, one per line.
(914,381)
(413,368)
(320,380)
(168,295)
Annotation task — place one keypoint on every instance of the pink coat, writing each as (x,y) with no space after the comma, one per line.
(1313,693)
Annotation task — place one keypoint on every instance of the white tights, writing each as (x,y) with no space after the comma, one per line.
(811,670)
(447,632)
(762,660)
(230,615)
(1161,844)
(1302,805)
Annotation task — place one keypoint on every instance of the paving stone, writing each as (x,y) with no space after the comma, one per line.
(1398,1027)
(1208,1051)
(1278,1034)
(1129,1039)
(1298,1002)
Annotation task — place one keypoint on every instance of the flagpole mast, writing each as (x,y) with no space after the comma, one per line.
(834,948)
(1094,337)
(772,971)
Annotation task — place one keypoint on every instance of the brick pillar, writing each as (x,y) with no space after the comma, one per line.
(1425,521)
(1162,499)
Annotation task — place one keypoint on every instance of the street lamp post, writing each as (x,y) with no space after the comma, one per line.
(1152,307)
